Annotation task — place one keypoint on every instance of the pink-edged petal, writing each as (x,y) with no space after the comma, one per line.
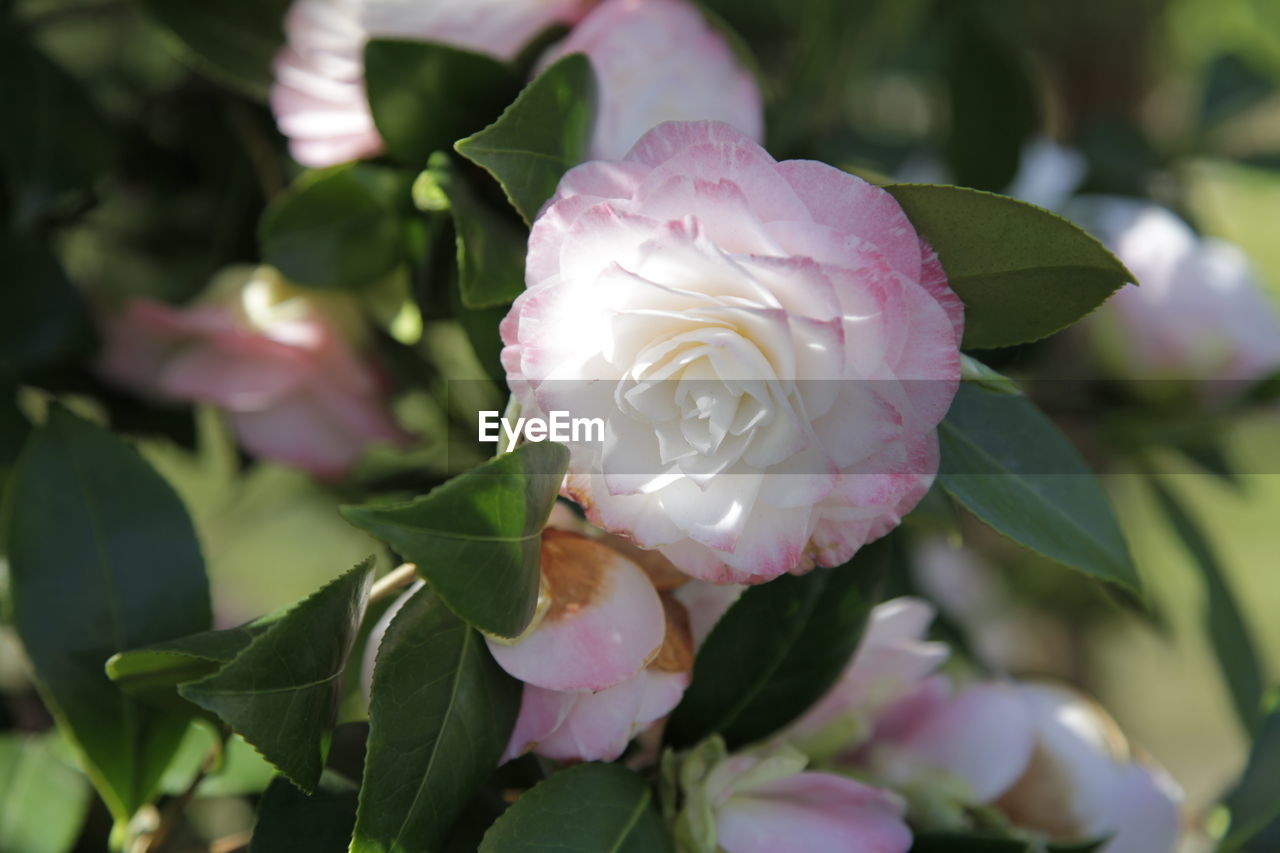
(983,738)
(604,624)
(600,725)
(849,204)
(810,812)
(541,713)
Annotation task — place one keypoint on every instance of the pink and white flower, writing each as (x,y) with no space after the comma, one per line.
(891,661)
(278,360)
(764,801)
(1053,762)
(608,657)
(318,96)
(771,346)
(1199,312)
(656,61)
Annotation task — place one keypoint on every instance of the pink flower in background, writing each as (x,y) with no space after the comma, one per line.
(318,96)
(1054,763)
(764,801)
(608,657)
(1083,781)
(1199,311)
(771,347)
(656,61)
(891,661)
(269,356)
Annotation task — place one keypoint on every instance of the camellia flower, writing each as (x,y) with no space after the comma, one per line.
(764,801)
(276,358)
(1199,312)
(770,345)
(892,659)
(318,96)
(656,61)
(1051,761)
(608,656)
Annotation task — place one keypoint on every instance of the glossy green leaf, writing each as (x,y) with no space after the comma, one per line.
(43,799)
(1022,272)
(1011,467)
(161,667)
(590,808)
(491,249)
(1254,804)
(541,136)
(64,143)
(281,693)
(1227,627)
(425,95)
(102,557)
(440,716)
(232,40)
(777,650)
(476,539)
(336,228)
(290,821)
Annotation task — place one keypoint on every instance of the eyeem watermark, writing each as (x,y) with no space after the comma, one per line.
(557,426)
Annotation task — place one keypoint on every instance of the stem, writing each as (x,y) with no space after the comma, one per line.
(173,810)
(393,581)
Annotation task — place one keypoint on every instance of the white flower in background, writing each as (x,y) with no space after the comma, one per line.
(656,61)
(1199,311)
(318,96)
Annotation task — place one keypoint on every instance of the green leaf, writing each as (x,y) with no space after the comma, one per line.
(102,557)
(336,228)
(590,808)
(290,821)
(777,650)
(158,669)
(44,319)
(439,718)
(541,136)
(1238,657)
(64,144)
(1233,86)
(235,41)
(281,693)
(425,95)
(476,539)
(491,249)
(993,106)
(1022,272)
(1255,801)
(1011,467)
(43,800)
(947,842)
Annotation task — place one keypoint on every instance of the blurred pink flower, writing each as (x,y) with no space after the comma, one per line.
(607,657)
(1199,311)
(269,356)
(656,61)
(891,661)
(770,345)
(318,96)
(1053,762)
(763,801)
